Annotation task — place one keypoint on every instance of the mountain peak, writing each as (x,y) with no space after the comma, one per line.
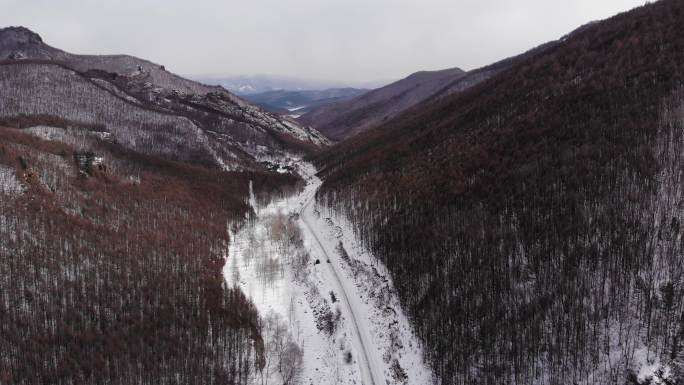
(19,36)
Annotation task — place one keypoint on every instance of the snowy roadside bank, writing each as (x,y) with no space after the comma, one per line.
(394,350)
(330,313)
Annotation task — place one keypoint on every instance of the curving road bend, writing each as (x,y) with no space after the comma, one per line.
(371,373)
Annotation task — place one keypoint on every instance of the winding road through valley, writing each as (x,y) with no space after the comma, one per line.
(371,370)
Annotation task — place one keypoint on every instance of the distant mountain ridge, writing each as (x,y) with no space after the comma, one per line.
(344,119)
(296,103)
(244,85)
(347,118)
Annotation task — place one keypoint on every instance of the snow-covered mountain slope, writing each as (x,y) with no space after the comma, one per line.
(329,306)
(235,134)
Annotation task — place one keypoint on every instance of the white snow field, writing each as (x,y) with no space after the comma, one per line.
(322,297)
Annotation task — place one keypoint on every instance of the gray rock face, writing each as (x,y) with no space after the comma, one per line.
(18,36)
(21,43)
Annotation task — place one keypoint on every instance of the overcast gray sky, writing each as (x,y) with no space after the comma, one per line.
(344,40)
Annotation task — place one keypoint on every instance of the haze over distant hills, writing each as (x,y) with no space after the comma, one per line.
(346,118)
(296,103)
(256,84)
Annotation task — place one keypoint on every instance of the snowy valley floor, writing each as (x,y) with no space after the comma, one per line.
(331,314)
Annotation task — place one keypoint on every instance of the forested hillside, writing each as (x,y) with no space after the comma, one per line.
(119,183)
(533,222)
(112,264)
(346,118)
(349,117)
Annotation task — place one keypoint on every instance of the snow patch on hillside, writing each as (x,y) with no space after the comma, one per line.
(650,369)
(9,184)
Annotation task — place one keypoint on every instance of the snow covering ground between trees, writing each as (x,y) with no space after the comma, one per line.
(319,290)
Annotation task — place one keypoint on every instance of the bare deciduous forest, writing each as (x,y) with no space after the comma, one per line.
(529,216)
(534,221)
(112,266)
